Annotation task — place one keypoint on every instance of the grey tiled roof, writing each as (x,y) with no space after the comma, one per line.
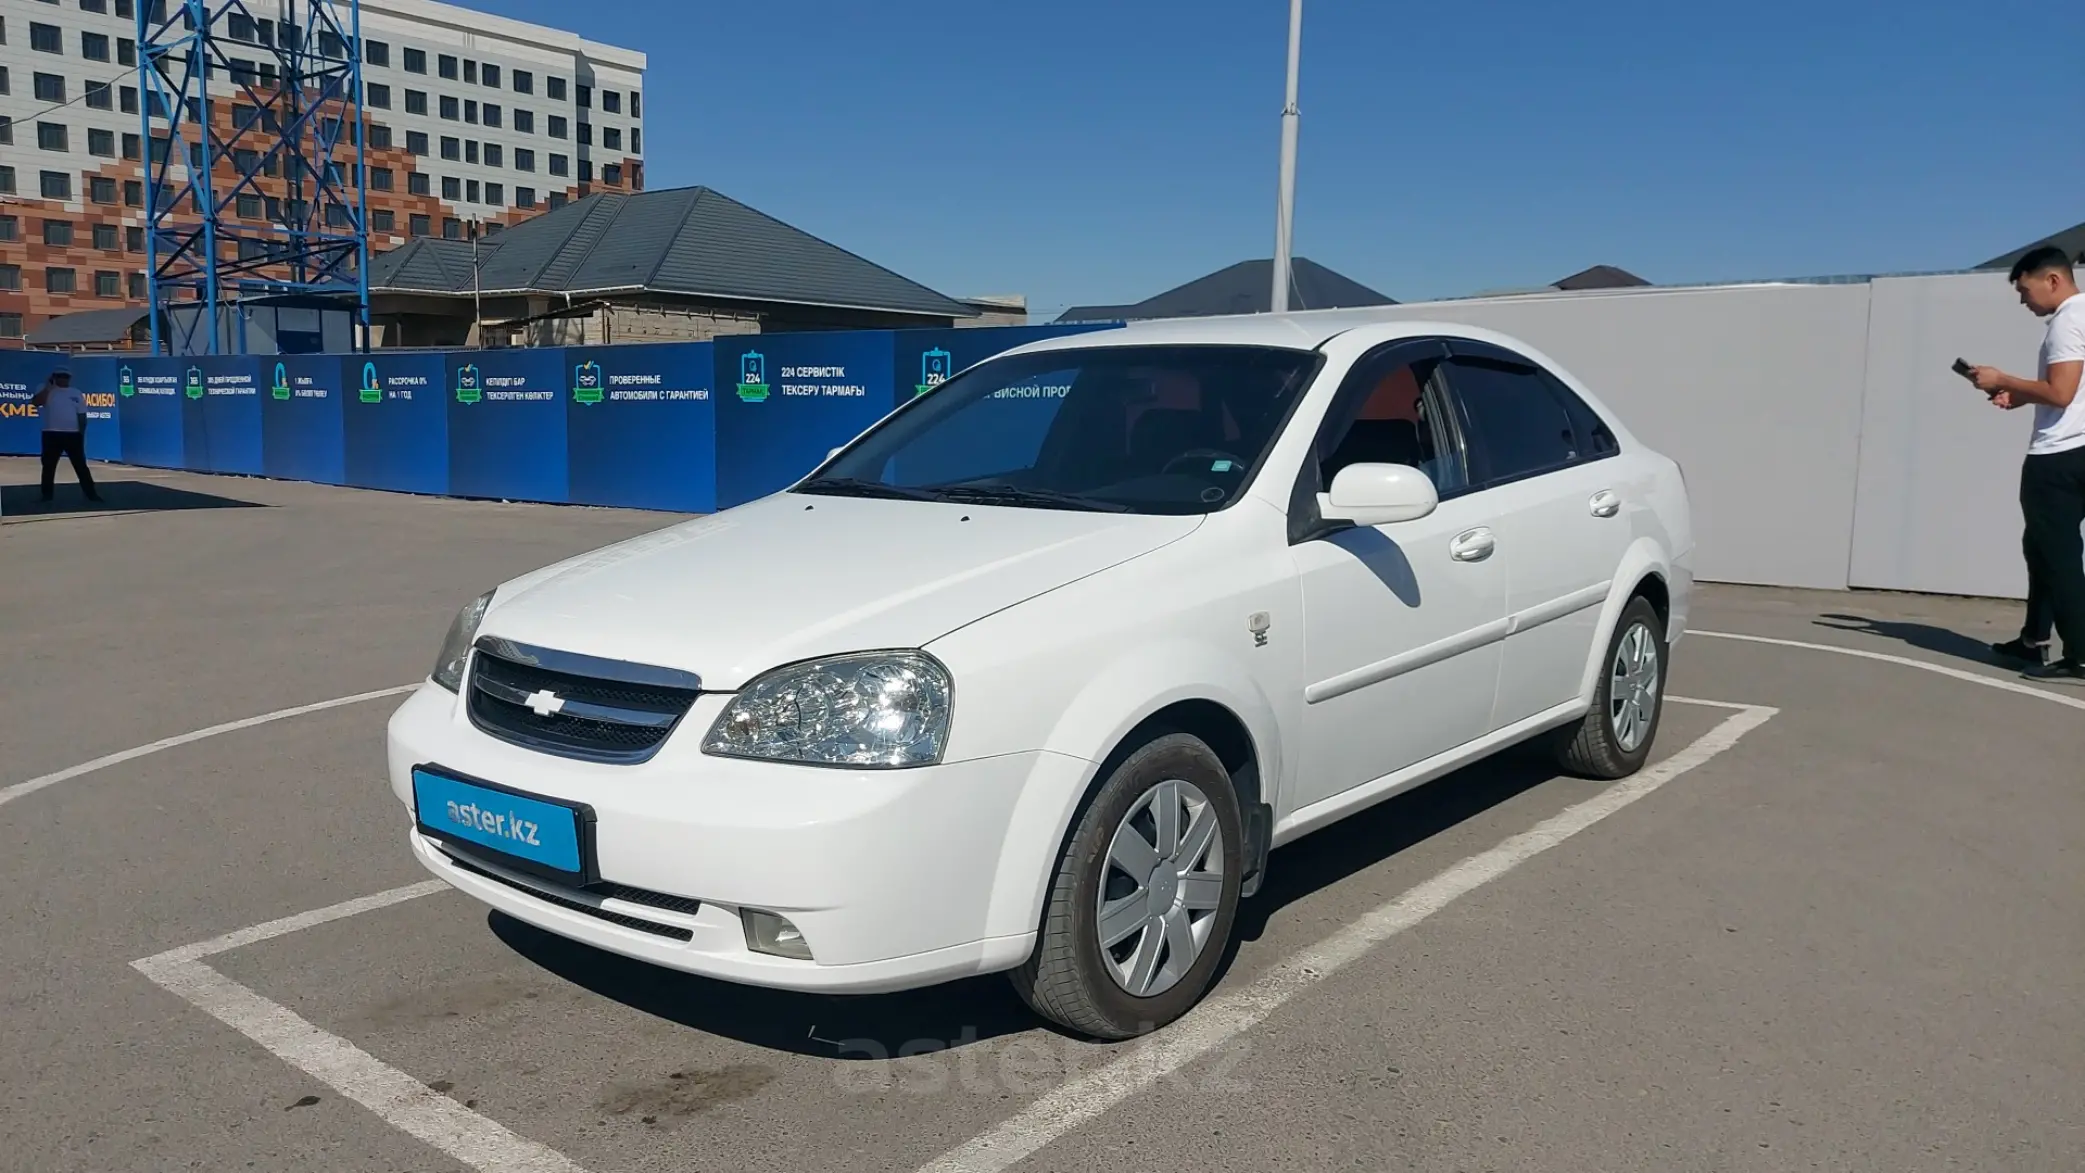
(1244,288)
(2071,240)
(686,240)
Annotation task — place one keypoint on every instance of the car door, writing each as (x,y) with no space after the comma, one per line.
(1538,457)
(1402,621)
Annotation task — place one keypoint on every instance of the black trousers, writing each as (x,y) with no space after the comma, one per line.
(70,444)
(2052,500)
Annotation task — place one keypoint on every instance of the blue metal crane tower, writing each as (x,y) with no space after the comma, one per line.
(255,173)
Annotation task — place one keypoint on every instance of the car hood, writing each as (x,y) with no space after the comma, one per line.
(793,576)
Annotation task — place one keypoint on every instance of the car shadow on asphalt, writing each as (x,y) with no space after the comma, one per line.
(973,1010)
(21,504)
(1923,636)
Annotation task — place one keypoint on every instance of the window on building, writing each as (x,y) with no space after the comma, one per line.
(416,142)
(379,136)
(10,228)
(380,179)
(101,6)
(6,181)
(554,87)
(133,191)
(470,112)
(524,197)
(57,233)
(101,189)
(331,46)
(636,141)
(10,325)
(417,224)
(524,159)
(446,66)
(107,238)
(451,108)
(560,165)
(612,101)
(101,142)
(378,96)
(470,72)
(494,155)
(100,95)
(452,187)
(240,26)
(611,138)
(524,82)
(247,205)
(636,104)
(416,101)
(6,130)
(470,151)
(51,136)
(61,281)
(338,216)
(6,87)
(586,134)
(558,200)
(382,220)
(558,126)
(376,52)
(137,287)
(417,183)
(525,121)
(452,147)
(10,277)
(126,51)
(134,239)
(127,99)
(46,38)
(452,228)
(492,75)
(244,72)
(585,96)
(612,175)
(586,171)
(94,46)
(470,191)
(50,87)
(492,115)
(415,60)
(107,284)
(496,194)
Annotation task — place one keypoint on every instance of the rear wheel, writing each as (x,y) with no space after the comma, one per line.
(1614,739)
(1141,908)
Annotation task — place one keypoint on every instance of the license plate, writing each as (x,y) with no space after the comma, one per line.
(523,831)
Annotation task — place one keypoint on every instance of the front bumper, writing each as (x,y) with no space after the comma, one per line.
(896,879)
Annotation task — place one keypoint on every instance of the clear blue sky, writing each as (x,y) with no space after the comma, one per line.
(1104,150)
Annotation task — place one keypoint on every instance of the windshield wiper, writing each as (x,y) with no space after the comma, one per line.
(1013,495)
(856,487)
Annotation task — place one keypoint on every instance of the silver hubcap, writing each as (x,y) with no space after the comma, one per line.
(1159,888)
(1632,691)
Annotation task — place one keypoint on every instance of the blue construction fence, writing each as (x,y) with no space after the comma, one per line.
(687,426)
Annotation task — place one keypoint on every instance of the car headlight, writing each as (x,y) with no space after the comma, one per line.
(456,646)
(871,709)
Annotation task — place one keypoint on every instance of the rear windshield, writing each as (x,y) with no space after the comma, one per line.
(1145,429)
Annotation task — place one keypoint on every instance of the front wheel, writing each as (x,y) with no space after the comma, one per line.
(1614,739)
(1141,908)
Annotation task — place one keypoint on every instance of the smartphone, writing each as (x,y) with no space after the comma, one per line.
(1964,369)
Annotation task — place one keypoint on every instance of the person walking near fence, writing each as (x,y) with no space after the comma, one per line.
(64,411)
(2052,477)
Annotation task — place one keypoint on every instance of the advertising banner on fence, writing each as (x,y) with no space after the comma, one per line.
(21,423)
(787,399)
(397,422)
(221,414)
(148,402)
(302,436)
(506,413)
(641,426)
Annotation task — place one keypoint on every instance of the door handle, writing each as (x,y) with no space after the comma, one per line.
(1605,503)
(1473,545)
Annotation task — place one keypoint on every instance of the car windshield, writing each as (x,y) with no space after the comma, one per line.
(1143,429)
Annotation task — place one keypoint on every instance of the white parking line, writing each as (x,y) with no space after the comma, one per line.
(405,1103)
(2012,686)
(1228,1015)
(19,789)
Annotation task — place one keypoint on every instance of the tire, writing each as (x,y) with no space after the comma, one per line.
(1609,744)
(1136,985)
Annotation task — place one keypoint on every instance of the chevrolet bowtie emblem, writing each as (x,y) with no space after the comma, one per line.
(544,702)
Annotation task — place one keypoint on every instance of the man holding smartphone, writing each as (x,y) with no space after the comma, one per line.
(2052,477)
(64,411)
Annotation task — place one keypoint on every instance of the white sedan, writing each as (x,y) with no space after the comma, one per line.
(1032,676)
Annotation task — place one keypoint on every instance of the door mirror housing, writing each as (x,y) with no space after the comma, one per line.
(1378,494)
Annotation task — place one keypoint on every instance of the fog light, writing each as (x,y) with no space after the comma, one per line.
(769,933)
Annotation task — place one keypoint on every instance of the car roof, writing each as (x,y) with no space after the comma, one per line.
(1301,330)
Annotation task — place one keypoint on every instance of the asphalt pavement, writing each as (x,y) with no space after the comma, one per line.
(1849,937)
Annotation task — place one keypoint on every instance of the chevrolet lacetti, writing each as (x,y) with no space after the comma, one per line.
(1033,675)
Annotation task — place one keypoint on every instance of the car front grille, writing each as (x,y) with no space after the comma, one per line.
(576,706)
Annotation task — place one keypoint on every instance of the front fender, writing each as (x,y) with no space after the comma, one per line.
(1114,701)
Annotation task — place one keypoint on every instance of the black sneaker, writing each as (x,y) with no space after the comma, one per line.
(2019,651)
(2065,671)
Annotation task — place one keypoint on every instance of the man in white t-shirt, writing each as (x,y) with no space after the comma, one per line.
(64,411)
(2052,477)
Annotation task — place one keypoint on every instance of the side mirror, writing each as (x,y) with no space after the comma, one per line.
(1378,494)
